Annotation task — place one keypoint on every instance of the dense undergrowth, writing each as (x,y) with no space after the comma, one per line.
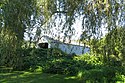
(89,68)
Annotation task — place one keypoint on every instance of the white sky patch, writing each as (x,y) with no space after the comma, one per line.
(78,29)
(104,30)
(55,31)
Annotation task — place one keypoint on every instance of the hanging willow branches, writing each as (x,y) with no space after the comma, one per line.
(15,17)
(94,13)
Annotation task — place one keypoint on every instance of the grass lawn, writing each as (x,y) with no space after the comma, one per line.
(36,77)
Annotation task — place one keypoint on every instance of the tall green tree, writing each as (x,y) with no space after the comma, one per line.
(111,47)
(17,14)
(15,17)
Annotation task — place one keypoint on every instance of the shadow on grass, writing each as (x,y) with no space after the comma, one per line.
(36,77)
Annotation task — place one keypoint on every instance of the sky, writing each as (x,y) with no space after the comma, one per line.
(55,30)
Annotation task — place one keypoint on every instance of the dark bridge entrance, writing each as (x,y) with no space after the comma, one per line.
(43,45)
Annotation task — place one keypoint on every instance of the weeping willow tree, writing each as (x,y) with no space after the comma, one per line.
(18,15)
(111,47)
(94,13)
(15,17)
(115,45)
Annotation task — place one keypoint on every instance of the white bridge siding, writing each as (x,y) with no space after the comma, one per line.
(70,48)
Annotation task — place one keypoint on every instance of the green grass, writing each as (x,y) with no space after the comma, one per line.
(36,77)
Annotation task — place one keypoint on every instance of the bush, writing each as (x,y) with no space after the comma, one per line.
(107,74)
(32,57)
(63,67)
(93,76)
(67,65)
(87,67)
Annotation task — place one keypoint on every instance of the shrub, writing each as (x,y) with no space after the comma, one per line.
(87,67)
(106,74)
(67,65)
(32,57)
(64,66)
(93,76)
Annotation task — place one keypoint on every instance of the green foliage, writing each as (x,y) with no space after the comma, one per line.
(111,47)
(64,66)
(8,47)
(32,57)
(16,15)
(59,64)
(90,59)
(87,68)
(106,74)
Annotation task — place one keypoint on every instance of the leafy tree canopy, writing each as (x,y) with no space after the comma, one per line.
(96,14)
